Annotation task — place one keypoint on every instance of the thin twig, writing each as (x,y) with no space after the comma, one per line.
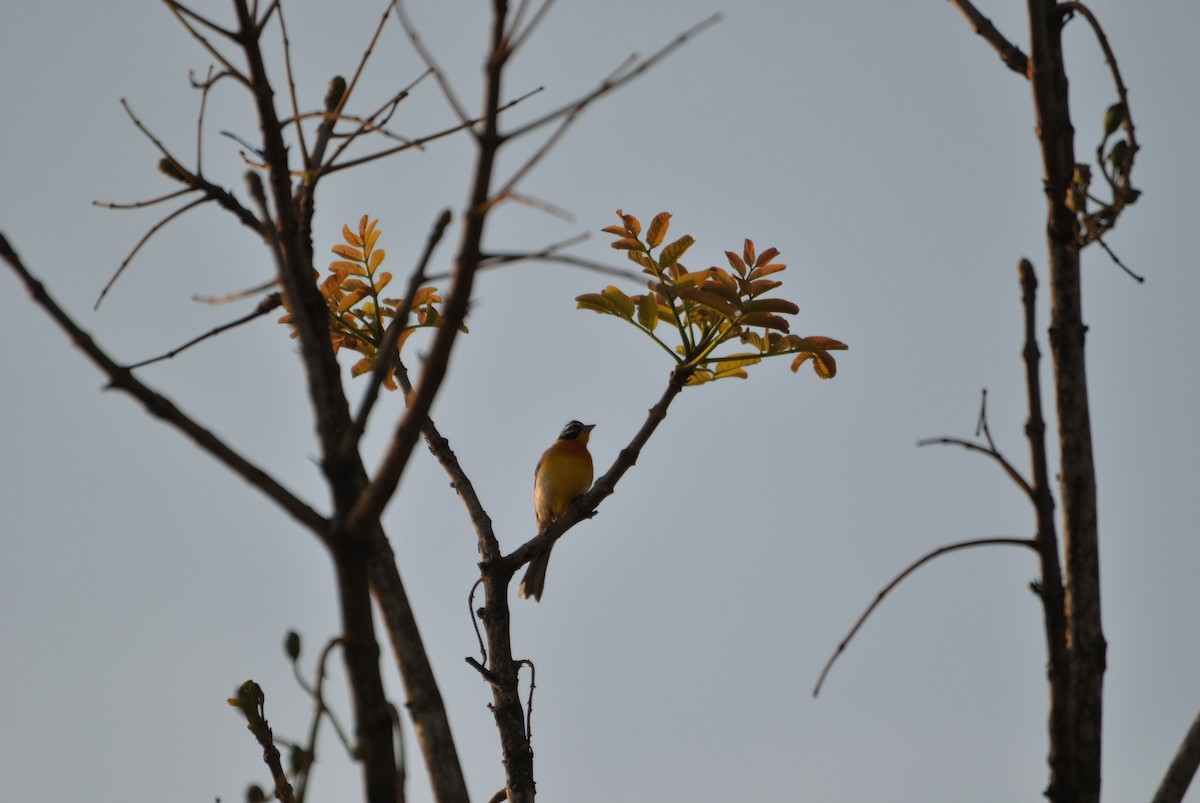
(1025,542)
(447,91)
(291,82)
(475,621)
(237,295)
(145,238)
(515,38)
(549,254)
(181,12)
(640,68)
(143,204)
(265,306)
(420,141)
(1136,277)
(529,699)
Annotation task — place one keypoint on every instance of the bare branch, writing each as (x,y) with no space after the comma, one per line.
(182,13)
(426,56)
(265,306)
(237,295)
(145,238)
(989,449)
(160,406)
(517,38)
(143,204)
(1010,54)
(617,80)
(1183,768)
(1025,542)
(550,254)
(291,81)
(1135,276)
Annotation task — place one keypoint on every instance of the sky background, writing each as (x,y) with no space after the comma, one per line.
(881,147)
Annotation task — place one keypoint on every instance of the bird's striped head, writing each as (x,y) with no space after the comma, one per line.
(574,430)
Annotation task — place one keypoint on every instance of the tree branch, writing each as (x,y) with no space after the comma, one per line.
(159,406)
(841,647)
(1010,54)
(1183,767)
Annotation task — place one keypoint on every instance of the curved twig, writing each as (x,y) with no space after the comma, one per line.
(138,247)
(1028,543)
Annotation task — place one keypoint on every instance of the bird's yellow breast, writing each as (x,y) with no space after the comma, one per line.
(563,473)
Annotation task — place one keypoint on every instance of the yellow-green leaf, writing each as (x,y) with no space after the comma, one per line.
(647,311)
(621,303)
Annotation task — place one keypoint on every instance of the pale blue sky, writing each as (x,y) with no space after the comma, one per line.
(888,154)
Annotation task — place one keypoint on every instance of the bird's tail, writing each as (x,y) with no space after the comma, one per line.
(535,577)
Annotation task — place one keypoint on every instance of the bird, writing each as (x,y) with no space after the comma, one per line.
(562,474)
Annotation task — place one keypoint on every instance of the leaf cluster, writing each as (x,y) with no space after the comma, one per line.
(709,308)
(1114,157)
(358,314)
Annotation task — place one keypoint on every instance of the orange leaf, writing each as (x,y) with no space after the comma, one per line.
(627,245)
(765,257)
(748,251)
(658,229)
(736,263)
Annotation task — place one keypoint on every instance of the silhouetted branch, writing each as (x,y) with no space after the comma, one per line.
(269,303)
(617,81)
(1010,54)
(988,449)
(1183,768)
(138,246)
(161,407)
(426,56)
(1025,542)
